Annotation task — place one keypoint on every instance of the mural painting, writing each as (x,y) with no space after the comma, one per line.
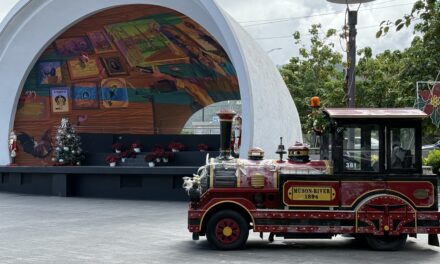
(136,69)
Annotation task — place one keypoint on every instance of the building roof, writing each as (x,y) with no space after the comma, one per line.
(394,113)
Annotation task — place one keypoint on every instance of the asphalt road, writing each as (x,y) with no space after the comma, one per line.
(35,229)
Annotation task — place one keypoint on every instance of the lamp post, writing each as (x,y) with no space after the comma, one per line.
(350,78)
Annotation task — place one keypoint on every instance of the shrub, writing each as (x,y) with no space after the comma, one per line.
(433,159)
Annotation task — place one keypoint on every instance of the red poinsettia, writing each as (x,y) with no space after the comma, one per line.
(431,98)
(429,102)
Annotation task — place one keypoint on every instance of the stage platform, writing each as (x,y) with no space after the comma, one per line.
(130,180)
(157,183)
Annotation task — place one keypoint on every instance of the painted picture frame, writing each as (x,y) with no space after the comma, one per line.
(142,45)
(114,93)
(70,47)
(50,73)
(85,95)
(32,106)
(84,69)
(101,42)
(114,65)
(59,99)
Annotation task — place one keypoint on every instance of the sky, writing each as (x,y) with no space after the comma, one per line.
(272,22)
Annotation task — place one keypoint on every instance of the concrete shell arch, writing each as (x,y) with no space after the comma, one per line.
(268,110)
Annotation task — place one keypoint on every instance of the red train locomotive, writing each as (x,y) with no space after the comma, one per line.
(368,183)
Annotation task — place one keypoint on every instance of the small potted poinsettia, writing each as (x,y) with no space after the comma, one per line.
(168,157)
(150,158)
(111,160)
(202,147)
(117,147)
(127,154)
(136,147)
(176,146)
(159,152)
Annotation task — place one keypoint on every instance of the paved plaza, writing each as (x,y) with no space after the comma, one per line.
(37,229)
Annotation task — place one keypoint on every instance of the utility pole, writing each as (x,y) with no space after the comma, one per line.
(350,78)
(351,58)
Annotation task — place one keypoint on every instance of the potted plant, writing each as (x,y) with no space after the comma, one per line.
(168,157)
(202,147)
(150,158)
(136,147)
(117,147)
(111,160)
(159,153)
(128,154)
(176,146)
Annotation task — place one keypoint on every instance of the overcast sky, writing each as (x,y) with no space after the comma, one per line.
(272,22)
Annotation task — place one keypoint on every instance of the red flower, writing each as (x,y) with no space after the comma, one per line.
(150,157)
(110,159)
(431,98)
(202,147)
(176,145)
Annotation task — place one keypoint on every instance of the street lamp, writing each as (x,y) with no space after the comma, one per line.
(350,78)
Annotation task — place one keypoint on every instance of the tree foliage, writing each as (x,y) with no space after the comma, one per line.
(387,79)
(315,72)
(422,58)
(420,61)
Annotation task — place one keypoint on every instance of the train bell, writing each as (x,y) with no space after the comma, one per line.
(299,153)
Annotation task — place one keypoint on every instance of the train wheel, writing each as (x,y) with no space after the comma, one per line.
(227,230)
(386,242)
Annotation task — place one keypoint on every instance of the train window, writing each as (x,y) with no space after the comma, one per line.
(402,147)
(361,148)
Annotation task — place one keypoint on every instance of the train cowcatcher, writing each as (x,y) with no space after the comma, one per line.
(368,183)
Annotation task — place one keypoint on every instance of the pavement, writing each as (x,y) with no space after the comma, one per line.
(37,229)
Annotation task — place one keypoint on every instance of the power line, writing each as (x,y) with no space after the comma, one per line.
(281,20)
(267,21)
(287,18)
(291,36)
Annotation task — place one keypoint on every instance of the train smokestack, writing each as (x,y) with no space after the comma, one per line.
(225,117)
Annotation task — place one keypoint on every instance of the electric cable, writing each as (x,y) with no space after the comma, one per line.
(282,20)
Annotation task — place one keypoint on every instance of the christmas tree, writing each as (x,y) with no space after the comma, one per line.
(68,150)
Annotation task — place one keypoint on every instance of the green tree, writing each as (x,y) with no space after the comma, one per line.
(379,82)
(68,150)
(315,72)
(422,58)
